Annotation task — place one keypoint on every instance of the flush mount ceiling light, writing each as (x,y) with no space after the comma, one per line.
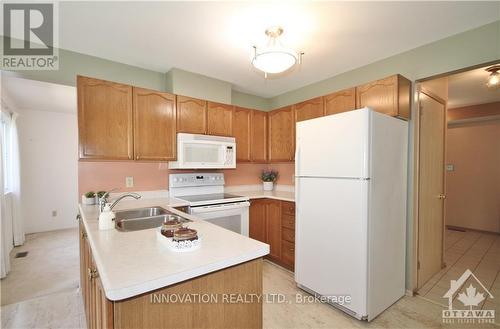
(494,78)
(274,57)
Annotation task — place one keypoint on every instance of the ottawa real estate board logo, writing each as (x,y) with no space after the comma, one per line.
(467,299)
(29,36)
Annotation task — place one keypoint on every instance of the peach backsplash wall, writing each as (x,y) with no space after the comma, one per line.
(149,176)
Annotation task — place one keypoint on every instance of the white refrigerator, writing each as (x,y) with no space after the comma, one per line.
(350,186)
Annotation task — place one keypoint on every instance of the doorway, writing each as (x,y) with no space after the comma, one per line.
(457,199)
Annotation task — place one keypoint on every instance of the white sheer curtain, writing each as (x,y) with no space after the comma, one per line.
(4,255)
(17,218)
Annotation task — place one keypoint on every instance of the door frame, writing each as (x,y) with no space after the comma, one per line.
(415,119)
(416,178)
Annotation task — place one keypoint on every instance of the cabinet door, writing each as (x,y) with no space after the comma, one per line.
(258,139)
(154,125)
(241,129)
(191,115)
(104,120)
(273,228)
(281,135)
(340,101)
(103,307)
(81,240)
(220,119)
(257,225)
(310,109)
(380,95)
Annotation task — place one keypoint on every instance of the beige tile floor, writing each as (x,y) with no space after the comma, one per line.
(57,303)
(476,251)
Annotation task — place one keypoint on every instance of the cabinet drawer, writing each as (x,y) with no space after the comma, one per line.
(288,234)
(288,208)
(288,253)
(288,221)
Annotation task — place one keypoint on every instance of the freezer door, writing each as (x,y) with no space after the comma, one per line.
(334,145)
(331,238)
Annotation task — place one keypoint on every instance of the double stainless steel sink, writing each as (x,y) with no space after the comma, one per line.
(143,218)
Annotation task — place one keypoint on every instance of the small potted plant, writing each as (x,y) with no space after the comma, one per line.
(268,178)
(88,198)
(99,195)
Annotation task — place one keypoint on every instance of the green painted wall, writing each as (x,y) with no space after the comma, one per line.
(198,86)
(250,101)
(72,64)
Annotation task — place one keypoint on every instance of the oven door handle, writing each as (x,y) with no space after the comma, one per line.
(219,207)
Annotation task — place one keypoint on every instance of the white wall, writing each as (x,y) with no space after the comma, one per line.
(48,143)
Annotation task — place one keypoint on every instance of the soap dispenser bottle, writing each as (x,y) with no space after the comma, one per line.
(107,218)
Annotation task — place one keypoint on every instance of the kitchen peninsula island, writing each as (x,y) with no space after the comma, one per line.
(133,280)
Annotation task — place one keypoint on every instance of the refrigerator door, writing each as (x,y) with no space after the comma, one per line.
(331,239)
(334,145)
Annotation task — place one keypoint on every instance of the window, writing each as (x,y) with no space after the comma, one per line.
(6,151)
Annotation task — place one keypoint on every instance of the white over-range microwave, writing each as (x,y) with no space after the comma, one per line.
(204,152)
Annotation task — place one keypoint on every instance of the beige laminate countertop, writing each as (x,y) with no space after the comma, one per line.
(259,194)
(132,263)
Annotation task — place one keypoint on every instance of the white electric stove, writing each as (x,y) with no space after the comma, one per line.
(205,194)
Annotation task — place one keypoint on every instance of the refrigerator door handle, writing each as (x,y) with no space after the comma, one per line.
(296,179)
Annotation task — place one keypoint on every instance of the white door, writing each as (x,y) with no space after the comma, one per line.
(334,145)
(331,238)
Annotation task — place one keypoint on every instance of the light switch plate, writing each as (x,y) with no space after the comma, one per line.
(129,181)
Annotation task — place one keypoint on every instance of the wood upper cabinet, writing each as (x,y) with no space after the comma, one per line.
(390,96)
(310,109)
(220,119)
(340,101)
(281,134)
(257,217)
(191,115)
(258,136)
(154,125)
(105,124)
(242,132)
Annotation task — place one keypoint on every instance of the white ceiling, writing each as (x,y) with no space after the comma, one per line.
(469,88)
(25,94)
(216,38)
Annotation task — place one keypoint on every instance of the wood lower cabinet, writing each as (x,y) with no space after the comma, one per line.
(105,123)
(219,119)
(273,222)
(340,101)
(281,135)
(310,109)
(143,312)
(191,115)
(242,120)
(98,309)
(155,133)
(273,228)
(390,96)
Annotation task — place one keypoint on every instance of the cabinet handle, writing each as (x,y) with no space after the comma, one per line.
(92,273)
(137,157)
(78,217)
(84,235)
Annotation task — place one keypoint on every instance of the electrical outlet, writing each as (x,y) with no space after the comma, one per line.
(54,213)
(450,167)
(129,181)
